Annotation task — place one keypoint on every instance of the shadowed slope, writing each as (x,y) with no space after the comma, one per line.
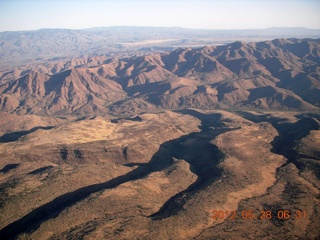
(235,75)
(203,164)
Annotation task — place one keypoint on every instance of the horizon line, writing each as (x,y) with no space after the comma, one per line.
(171,27)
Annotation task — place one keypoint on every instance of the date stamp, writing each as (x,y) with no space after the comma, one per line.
(262,215)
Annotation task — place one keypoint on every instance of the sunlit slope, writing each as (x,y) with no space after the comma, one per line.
(164,175)
(281,74)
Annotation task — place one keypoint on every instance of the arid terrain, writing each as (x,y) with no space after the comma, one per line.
(23,47)
(217,142)
(280,74)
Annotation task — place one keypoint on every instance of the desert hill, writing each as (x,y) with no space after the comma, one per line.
(280,74)
(102,178)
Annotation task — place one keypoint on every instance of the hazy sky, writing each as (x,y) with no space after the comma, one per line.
(207,14)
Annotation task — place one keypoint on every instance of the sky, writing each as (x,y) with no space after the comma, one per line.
(197,14)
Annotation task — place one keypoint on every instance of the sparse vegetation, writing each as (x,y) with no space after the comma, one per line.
(148,147)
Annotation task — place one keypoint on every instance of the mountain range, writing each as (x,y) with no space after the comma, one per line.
(213,142)
(23,47)
(282,74)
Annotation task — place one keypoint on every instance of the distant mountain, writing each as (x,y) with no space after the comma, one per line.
(280,74)
(21,47)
